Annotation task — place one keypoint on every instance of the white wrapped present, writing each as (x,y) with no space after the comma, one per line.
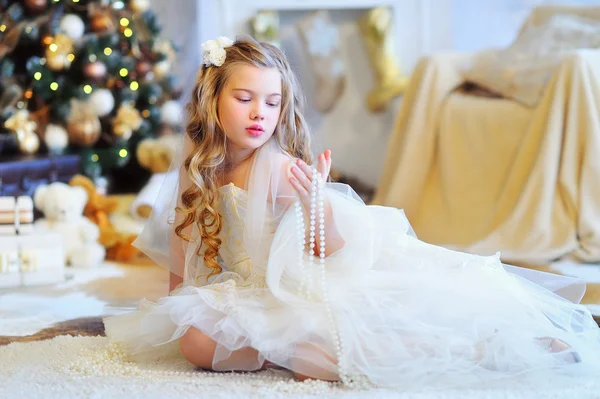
(31,259)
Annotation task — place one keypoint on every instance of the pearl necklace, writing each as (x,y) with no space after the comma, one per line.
(305,288)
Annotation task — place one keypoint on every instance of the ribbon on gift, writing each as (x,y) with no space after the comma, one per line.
(9,262)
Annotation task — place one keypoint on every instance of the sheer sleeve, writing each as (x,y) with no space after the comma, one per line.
(158,239)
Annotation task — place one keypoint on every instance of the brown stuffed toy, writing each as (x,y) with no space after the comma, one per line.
(154,155)
(98,209)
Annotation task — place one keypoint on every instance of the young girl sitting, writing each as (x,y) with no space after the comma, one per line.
(273,266)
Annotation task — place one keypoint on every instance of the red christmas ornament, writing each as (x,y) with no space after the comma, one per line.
(35,6)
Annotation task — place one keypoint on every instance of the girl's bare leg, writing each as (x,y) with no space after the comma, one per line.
(199,349)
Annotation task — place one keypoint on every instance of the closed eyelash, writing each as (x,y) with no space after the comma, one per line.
(246,100)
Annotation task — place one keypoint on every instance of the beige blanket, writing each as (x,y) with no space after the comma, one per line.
(527,185)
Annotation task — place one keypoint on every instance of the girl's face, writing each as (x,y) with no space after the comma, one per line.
(249,106)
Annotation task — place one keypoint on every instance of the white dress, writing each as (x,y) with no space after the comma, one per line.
(409,313)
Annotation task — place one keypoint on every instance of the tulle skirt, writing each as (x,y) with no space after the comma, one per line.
(408,313)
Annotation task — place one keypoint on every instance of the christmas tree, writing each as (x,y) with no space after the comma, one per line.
(85,76)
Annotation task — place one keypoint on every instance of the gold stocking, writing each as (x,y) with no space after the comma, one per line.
(376,29)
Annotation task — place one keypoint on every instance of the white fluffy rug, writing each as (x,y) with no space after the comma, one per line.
(76,367)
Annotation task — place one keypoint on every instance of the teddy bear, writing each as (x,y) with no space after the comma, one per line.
(98,210)
(156,156)
(62,206)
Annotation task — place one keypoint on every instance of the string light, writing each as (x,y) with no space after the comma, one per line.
(53,47)
(123,72)
(145,113)
(37,75)
(92,58)
(134,85)
(42,61)
(128,32)
(117,5)
(124,22)
(123,153)
(28,29)
(2,28)
(28,94)
(53,86)
(94,158)
(87,89)
(75,1)
(107,51)
(71,57)
(47,40)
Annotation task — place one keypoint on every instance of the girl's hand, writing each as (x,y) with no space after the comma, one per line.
(303,176)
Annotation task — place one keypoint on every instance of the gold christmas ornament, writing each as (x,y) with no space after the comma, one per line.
(139,5)
(376,29)
(24,129)
(59,53)
(83,124)
(101,22)
(127,120)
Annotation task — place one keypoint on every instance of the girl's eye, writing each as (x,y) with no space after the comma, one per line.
(244,100)
(272,104)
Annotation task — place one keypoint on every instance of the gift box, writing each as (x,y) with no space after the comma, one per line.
(16,215)
(21,175)
(31,259)
(20,216)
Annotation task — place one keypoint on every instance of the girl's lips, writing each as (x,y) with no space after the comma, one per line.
(255,131)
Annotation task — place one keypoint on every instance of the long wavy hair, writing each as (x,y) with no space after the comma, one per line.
(207,160)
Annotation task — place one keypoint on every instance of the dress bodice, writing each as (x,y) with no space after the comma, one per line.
(233,257)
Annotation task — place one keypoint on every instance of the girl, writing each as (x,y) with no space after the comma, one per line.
(273,267)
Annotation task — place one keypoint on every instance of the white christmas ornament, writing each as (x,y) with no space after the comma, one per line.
(72,26)
(322,38)
(161,68)
(102,101)
(56,138)
(139,5)
(170,113)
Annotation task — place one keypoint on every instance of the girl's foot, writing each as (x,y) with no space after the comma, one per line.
(556,345)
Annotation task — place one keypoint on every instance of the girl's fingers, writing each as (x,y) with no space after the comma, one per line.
(302,192)
(322,165)
(304,168)
(301,177)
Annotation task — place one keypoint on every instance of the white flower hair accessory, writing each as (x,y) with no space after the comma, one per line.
(214,51)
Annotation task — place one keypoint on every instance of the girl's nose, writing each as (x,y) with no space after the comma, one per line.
(257,114)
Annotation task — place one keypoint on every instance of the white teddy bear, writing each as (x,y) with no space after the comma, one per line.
(62,206)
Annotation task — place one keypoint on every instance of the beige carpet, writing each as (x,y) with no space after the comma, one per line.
(86,367)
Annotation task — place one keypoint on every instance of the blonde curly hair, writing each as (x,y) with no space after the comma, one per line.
(207,159)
